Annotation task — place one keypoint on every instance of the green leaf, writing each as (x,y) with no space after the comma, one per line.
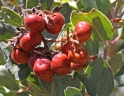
(62,82)
(36,89)
(116,63)
(92,47)
(46,4)
(31,3)
(119,78)
(11,17)
(20,71)
(6,92)
(82,77)
(23,94)
(101,81)
(6,31)
(46,85)
(66,11)
(2,57)
(1,3)
(103,5)
(102,27)
(89,4)
(72,91)
(80,5)
(7,80)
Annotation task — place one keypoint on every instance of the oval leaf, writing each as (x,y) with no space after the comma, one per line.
(7,80)
(116,63)
(102,27)
(72,91)
(89,4)
(92,47)
(6,31)
(101,81)
(11,17)
(47,86)
(31,3)
(66,11)
(60,83)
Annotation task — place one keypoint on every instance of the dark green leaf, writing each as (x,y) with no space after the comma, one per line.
(116,63)
(23,94)
(36,88)
(72,91)
(92,47)
(100,82)
(95,17)
(6,31)
(46,4)
(7,79)
(20,71)
(103,5)
(11,17)
(31,3)
(2,57)
(89,4)
(66,11)
(46,85)
(80,5)
(6,92)
(62,82)
(82,77)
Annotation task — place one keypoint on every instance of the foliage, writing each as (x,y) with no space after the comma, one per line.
(106,44)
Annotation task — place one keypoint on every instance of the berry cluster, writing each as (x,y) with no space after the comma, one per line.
(44,62)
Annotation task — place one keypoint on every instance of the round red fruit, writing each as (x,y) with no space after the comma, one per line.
(34,22)
(76,67)
(19,56)
(29,41)
(61,64)
(80,56)
(48,79)
(42,68)
(82,31)
(55,23)
(34,55)
(65,48)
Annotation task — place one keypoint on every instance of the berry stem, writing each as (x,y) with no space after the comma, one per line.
(44,41)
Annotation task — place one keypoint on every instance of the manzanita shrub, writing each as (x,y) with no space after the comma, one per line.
(61,47)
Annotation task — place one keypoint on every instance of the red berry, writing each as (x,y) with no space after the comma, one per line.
(48,79)
(34,22)
(76,67)
(55,23)
(65,48)
(42,68)
(61,64)
(33,56)
(79,56)
(19,56)
(29,41)
(82,31)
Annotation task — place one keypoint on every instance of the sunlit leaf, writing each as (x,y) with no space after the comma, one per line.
(11,17)
(7,80)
